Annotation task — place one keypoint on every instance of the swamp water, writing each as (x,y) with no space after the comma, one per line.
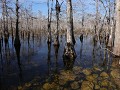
(38,66)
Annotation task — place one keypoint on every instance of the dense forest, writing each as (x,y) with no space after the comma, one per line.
(59,45)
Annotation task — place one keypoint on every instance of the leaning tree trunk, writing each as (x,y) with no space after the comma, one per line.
(69,51)
(116,49)
(17,40)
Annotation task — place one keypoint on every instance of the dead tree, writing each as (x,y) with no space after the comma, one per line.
(49,20)
(5,20)
(56,39)
(17,39)
(96,25)
(112,28)
(116,49)
(69,51)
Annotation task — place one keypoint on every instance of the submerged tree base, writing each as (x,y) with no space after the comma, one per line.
(17,42)
(49,41)
(6,37)
(69,52)
(56,43)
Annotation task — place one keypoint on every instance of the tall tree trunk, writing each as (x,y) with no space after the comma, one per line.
(17,40)
(12,29)
(113,26)
(116,48)
(96,25)
(5,21)
(56,39)
(71,21)
(49,20)
(69,51)
(109,26)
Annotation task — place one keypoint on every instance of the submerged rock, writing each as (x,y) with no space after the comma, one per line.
(104,75)
(87,71)
(67,76)
(103,89)
(90,78)
(97,87)
(75,85)
(115,73)
(48,86)
(112,85)
(19,87)
(27,84)
(62,82)
(86,85)
(77,69)
(95,68)
(104,83)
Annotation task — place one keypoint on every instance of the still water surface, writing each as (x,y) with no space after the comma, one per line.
(36,58)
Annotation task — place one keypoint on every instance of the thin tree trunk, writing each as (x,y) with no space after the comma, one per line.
(5,21)
(56,39)
(17,40)
(114,27)
(49,20)
(109,26)
(12,29)
(72,27)
(96,25)
(116,48)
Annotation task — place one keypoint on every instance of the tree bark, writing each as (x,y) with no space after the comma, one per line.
(5,21)
(56,39)
(116,49)
(17,40)
(49,21)
(69,50)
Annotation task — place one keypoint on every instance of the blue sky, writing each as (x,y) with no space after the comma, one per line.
(37,5)
(41,5)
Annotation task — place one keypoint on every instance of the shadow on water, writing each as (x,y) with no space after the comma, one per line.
(56,48)
(49,58)
(81,49)
(1,60)
(68,63)
(17,49)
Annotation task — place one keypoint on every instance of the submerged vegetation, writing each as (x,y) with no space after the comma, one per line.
(71,47)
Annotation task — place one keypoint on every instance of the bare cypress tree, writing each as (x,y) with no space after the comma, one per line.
(17,39)
(114,24)
(116,48)
(5,20)
(69,51)
(71,21)
(11,24)
(56,39)
(96,26)
(109,25)
(112,28)
(49,20)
